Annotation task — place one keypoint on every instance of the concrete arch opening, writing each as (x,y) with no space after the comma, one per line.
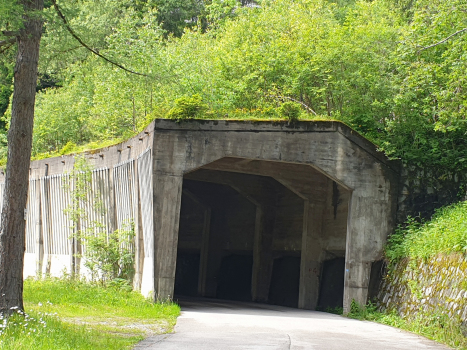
(261,231)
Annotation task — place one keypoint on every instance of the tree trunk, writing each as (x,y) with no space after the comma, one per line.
(12,227)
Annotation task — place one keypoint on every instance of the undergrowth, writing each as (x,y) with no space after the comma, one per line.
(445,233)
(70,314)
(439,327)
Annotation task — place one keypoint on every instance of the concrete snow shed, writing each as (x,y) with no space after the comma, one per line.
(292,214)
(316,191)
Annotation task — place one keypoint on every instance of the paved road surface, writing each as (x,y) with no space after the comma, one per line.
(215,324)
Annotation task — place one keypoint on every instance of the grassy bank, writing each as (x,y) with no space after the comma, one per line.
(65,314)
(445,233)
(438,327)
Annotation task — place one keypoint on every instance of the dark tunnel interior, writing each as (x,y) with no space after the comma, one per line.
(222,255)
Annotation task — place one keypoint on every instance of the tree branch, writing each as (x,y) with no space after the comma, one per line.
(95,52)
(443,41)
(6,48)
(9,33)
(7,42)
(294,100)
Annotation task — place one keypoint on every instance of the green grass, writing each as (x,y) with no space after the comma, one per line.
(66,314)
(445,233)
(438,327)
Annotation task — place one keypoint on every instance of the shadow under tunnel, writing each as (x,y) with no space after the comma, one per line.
(241,235)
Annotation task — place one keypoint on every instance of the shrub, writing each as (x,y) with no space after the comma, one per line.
(68,148)
(187,107)
(290,110)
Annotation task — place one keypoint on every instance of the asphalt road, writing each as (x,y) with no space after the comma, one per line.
(215,324)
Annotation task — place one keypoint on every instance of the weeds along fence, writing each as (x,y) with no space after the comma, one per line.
(114,197)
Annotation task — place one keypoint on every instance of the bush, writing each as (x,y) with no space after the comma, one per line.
(68,148)
(110,257)
(290,110)
(187,108)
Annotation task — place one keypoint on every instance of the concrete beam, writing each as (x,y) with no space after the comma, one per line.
(167,202)
(312,255)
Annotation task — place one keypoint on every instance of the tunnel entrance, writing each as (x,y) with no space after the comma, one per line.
(260,231)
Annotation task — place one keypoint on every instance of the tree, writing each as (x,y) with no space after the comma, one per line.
(12,226)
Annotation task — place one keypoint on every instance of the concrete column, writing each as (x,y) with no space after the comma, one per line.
(214,258)
(167,202)
(203,259)
(262,253)
(359,246)
(311,255)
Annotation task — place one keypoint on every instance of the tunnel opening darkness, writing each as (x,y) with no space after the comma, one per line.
(262,231)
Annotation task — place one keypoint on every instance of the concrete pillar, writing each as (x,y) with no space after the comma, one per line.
(214,258)
(167,202)
(262,253)
(203,258)
(311,255)
(359,245)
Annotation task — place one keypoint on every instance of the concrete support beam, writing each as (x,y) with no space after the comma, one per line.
(311,257)
(167,201)
(203,259)
(357,266)
(262,253)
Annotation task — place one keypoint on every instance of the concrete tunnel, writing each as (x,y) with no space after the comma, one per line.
(293,215)
(242,231)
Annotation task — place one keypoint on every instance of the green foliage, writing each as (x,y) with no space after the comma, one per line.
(187,107)
(110,257)
(361,62)
(290,110)
(71,314)
(176,15)
(445,233)
(68,148)
(107,255)
(77,298)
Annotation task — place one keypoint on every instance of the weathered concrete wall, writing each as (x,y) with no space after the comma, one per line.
(435,286)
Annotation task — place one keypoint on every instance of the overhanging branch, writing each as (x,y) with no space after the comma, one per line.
(4,49)
(7,42)
(9,33)
(74,35)
(443,41)
(294,100)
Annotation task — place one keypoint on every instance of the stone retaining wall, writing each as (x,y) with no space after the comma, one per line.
(438,285)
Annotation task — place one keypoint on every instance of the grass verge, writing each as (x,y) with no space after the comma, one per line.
(66,314)
(438,327)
